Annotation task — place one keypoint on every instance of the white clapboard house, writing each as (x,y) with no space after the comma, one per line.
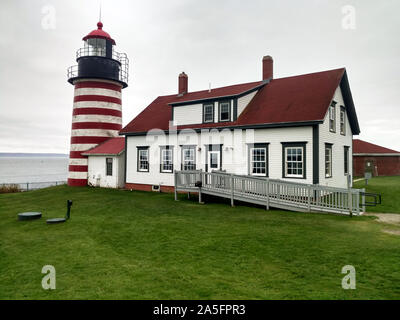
(297,129)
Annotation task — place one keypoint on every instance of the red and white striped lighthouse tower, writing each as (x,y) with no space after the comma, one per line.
(98,78)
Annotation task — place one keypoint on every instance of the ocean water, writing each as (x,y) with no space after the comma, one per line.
(33,169)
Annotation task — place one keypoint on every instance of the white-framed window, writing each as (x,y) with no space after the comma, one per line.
(188,158)
(224,111)
(167,160)
(294,160)
(332,117)
(342,120)
(346,160)
(143,159)
(328,161)
(109,166)
(258,159)
(208,112)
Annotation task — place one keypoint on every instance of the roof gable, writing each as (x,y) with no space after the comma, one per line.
(348,101)
(344,98)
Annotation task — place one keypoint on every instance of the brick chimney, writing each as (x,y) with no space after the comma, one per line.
(182,84)
(268,68)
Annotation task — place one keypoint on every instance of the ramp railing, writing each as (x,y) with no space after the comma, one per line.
(271,192)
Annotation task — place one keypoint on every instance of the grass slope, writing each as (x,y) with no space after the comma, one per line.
(389,188)
(137,245)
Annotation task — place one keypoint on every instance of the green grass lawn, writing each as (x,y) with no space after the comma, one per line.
(138,245)
(389,188)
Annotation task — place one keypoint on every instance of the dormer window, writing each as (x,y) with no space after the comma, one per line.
(208,112)
(224,111)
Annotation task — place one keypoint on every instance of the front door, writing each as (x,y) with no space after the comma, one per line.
(370,167)
(214,160)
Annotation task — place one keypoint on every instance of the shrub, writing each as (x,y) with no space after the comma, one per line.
(9,188)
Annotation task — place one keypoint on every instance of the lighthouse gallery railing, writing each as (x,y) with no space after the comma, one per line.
(122,58)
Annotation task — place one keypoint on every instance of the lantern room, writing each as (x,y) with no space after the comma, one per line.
(98,59)
(98,43)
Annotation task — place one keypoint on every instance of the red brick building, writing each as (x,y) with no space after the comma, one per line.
(369,157)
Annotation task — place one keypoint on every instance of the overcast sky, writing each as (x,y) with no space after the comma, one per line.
(221,42)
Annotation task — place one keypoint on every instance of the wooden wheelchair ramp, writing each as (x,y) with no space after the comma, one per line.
(271,193)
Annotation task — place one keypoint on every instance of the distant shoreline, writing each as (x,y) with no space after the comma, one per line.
(25,155)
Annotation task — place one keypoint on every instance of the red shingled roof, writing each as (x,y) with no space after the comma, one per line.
(112,146)
(300,98)
(360,146)
(217,92)
(158,114)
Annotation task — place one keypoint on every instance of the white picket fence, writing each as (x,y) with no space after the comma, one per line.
(271,193)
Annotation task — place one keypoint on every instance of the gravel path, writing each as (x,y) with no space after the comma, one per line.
(395,232)
(390,218)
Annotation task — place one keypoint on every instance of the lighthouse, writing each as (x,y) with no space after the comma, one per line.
(100,74)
